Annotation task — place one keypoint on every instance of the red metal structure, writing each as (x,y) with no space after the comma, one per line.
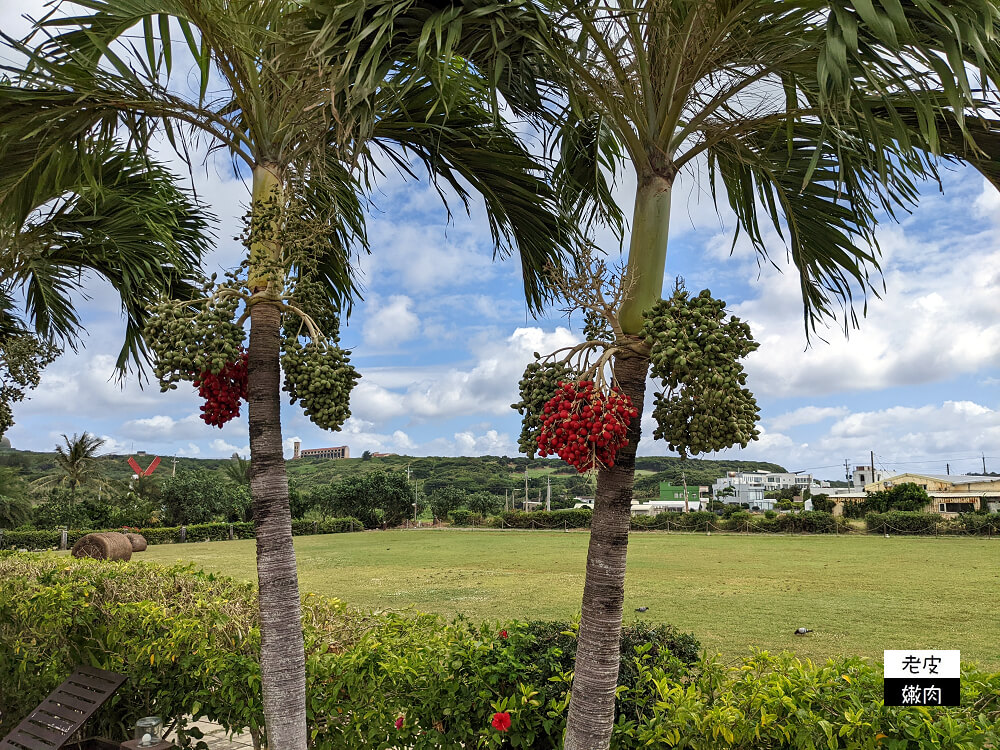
(141,472)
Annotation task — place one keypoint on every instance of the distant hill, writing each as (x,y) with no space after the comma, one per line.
(495,474)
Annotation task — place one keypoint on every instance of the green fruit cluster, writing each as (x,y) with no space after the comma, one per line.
(320,375)
(536,387)
(596,327)
(187,341)
(696,351)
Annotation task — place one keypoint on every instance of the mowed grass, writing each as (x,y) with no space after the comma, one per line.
(860,594)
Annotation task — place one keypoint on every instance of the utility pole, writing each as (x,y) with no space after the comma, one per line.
(873,465)
(525,488)
(984,463)
(506,507)
(548,494)
(947,469)
(173,470)
(847,469)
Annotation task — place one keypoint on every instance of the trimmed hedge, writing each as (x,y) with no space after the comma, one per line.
(202,532)
(571,518)
(903,522)
(189,642)
(811,522)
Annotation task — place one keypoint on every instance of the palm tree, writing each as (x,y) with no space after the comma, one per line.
(77,460)
(313,101)
(238,470)
(815,118)
(68,209)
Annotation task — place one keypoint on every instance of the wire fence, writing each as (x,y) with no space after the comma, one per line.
(741,527)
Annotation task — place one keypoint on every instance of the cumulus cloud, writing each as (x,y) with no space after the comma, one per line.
(391,323)
(163,427)
(806,415)
(936,320)
(222,448)
(487,387)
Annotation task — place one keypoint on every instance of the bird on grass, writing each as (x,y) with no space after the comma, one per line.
(641,609)
(802,631)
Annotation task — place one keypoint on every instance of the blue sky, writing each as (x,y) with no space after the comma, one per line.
(442,337)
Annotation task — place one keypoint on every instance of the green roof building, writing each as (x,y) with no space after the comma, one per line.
(670,492)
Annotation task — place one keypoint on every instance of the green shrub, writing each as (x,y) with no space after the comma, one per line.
(189,642)
(980,523)
(32,540)
(903,522)
(572,518)
(203,532)
(463,517)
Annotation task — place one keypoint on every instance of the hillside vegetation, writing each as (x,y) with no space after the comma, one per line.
(493,474)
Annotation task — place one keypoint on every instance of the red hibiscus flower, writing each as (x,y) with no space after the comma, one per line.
(501,721)
(503,633)
(399,722)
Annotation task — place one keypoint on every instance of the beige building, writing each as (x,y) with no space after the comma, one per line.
(951,494)
(340,451)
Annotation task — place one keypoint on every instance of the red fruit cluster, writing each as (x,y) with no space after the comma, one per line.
(585,427)
(223,392)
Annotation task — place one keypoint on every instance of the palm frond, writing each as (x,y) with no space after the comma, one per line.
(92,207)
(465,150)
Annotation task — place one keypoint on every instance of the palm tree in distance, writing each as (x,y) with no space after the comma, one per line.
(77,462)
(813,118)
(238,470)
(313,102)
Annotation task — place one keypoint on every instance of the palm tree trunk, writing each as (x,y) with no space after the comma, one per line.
(592,703)
(282,649)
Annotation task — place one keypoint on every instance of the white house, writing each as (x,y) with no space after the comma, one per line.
(749,486)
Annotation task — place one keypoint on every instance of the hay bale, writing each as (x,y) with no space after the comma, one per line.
(138,541)
(108,545)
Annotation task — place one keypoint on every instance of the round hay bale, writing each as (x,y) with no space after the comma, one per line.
(138,541)
(104,546)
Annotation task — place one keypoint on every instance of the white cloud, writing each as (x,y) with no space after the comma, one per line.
(191,450)
(806,415)
(222,448)
(162,427)
(391,323)
(489,386)
(938,319)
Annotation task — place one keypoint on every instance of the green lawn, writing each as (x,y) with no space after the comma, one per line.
(860,594)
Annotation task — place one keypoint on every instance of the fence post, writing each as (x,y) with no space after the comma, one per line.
(184,534)
(565,525)
(315,527)
(63,539)
(1,538)
(230,532)
(532,524)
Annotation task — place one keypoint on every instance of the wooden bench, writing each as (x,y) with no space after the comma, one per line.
(58,717)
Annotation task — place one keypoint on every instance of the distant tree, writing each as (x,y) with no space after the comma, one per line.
(905,496)
(375,498)
(196,497)
(443,501)
(366,456)
(238,469)
(15,508)
(77,462)
(57,510)
(299,503)
(484,503)
(822,501)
